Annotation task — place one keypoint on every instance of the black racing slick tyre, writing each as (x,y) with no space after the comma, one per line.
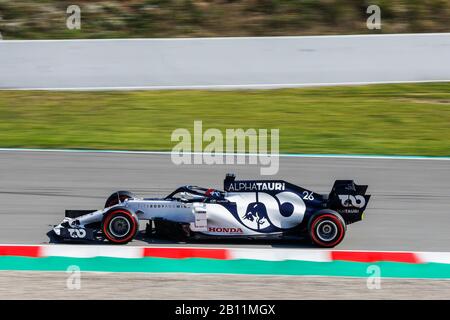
(120,225)
(118,197)
(327,229)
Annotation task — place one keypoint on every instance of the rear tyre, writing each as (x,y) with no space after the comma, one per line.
(118,197)
(327,229)
(120,225)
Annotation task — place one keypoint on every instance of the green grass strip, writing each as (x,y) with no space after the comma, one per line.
(393,119)
(255,267)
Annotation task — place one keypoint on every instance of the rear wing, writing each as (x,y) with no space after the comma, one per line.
(349,199)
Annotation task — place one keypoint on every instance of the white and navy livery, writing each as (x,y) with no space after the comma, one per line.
(245,209)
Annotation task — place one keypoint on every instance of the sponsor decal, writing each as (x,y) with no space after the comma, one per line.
(352,201)
(225,230)
(256,186)
(349,211)
(77,233)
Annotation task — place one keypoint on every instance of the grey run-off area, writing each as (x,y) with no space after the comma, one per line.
(409,209)
(53,285)
(264,62)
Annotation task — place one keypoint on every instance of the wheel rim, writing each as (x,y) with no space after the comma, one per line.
(119,226)
(326,230)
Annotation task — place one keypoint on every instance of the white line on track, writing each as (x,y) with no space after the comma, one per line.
(224,86)
(239,38)
(281,155)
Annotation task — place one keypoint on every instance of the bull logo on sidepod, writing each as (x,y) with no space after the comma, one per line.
(263,212)
(257,213)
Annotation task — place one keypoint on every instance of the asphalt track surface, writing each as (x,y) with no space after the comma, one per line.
(409,209)
(210,63)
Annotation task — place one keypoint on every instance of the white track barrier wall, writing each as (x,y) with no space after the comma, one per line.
(265,62)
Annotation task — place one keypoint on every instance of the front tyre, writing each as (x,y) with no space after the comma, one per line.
(120,225)
(327,229)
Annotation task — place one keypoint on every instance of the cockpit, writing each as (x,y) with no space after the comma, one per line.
(196,194)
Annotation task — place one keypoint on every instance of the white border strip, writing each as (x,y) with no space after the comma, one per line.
(225,86)
(240,38)
(83,251)
(281,155)
(281,254)
(434,257)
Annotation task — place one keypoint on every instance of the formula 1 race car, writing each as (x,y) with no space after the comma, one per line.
(245,209)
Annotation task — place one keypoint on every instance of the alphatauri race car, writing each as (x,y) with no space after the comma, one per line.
(245,209)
